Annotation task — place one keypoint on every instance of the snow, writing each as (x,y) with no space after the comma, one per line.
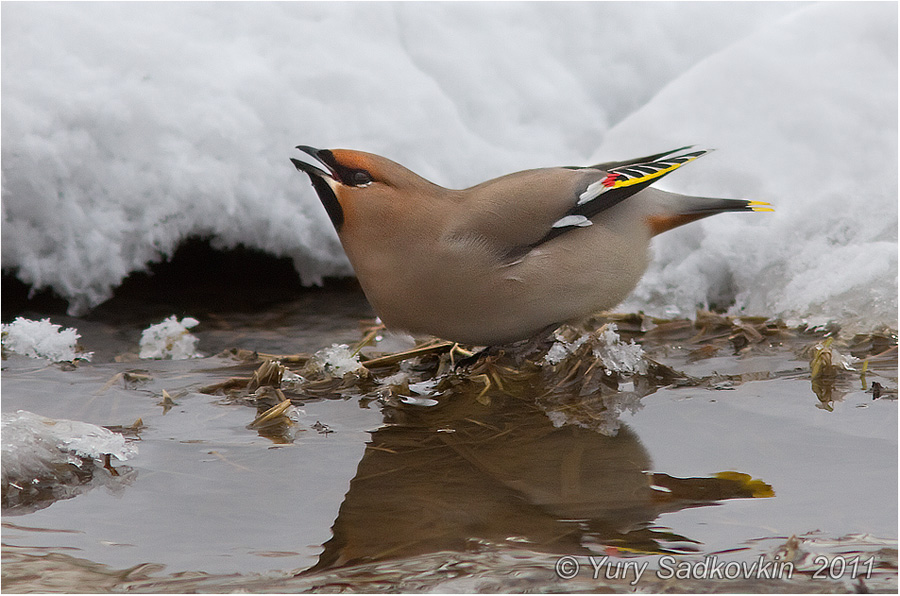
(127,127)
(809,125)
(617,356)
(289,378)
(613,353)
(42,339)
(49,459)
(170,340)
(338,360)
(35,447)
(562,348)
(398,378)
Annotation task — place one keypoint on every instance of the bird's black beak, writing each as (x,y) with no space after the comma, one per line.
(322,181)
(309,168)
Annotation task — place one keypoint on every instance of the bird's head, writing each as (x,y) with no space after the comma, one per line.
(356,181)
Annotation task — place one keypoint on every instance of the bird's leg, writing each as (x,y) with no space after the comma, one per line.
(458,348)
(539,343)
(474,357)
(520,349)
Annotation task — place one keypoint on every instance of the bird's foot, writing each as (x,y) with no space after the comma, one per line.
(520,351)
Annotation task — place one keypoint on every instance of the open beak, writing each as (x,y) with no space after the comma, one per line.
(311,169)
(324,182)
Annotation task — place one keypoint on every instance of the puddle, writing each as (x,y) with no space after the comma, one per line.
(455,488)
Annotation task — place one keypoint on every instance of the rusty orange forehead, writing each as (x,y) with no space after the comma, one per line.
(352,159)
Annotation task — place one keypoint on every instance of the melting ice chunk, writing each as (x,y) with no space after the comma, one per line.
(42,339)
(46,459)
(170,340)
(618,356)
(338,360)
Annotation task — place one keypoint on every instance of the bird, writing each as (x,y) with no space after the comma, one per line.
(508,259)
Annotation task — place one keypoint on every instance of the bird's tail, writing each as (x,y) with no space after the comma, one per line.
(685,209)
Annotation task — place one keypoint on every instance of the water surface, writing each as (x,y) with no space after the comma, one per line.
(471,490)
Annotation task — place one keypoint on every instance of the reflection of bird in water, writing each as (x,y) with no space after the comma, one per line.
(459,474)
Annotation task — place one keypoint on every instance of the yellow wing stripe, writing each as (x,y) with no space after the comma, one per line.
(646,177)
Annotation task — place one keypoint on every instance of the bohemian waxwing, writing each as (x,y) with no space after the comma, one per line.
(510,257)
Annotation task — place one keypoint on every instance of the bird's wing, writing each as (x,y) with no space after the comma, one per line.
(613,184)
(515,213)
(608,165)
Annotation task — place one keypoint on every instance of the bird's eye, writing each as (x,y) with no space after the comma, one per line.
(361,177)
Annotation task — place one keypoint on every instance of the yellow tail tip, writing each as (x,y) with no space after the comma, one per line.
(760,206)
(757,489)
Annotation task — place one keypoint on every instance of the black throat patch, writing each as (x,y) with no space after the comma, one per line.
(329,200)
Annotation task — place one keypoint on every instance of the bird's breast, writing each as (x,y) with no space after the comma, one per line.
(461,287)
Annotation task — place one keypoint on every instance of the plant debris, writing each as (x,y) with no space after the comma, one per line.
(584,375)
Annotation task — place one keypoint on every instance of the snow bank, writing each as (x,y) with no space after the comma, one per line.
(129,126)
(805,123)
